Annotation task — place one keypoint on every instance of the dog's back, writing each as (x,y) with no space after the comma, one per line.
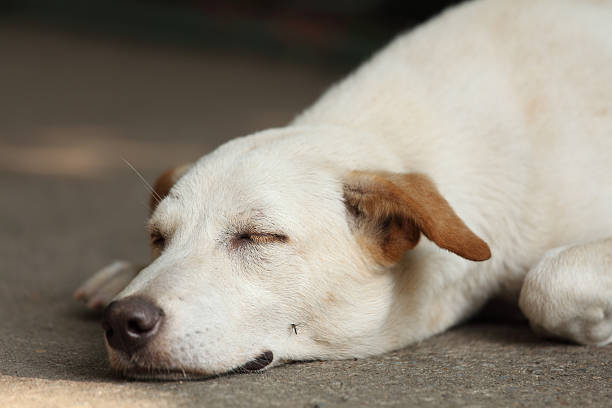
(507,104)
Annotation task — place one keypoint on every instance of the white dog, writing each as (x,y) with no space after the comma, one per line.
(487,130)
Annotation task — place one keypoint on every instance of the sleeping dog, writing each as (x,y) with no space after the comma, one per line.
(467,160)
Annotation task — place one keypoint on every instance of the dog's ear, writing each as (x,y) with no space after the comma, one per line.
(390,210)
(164,183)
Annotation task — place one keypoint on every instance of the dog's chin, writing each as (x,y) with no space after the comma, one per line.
(142,366)
(158,367)
(169,374)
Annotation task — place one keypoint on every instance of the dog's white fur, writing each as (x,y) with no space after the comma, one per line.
(505,105)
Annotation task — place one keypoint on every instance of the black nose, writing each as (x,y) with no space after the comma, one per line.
(130,323)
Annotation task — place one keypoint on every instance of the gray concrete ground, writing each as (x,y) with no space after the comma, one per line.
(69,109)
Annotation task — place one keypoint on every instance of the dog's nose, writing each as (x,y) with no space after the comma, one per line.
(130,323)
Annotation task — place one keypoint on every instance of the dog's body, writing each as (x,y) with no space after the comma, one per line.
(491,123)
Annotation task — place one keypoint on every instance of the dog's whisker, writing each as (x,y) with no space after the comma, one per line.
(144,181)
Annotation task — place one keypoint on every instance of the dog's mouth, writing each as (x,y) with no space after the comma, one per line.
(138,372)
(258,363)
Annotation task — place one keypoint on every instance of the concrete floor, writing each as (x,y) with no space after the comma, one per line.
(70,108)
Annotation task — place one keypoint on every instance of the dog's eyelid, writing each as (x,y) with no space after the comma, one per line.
(153,228)
(158,239)
(156,234)
(271,236)
(163,229)
(263,235)
(258,238)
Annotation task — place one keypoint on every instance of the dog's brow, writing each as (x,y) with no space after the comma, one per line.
(166,213)
(152,227)
(254,220)
(159,223)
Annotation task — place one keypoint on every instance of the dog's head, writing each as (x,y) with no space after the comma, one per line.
(264,253)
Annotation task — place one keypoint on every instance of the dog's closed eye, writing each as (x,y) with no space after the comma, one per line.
(257,238)
(158,240)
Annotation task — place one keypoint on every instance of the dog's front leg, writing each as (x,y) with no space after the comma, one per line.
(98,291)
(568,294)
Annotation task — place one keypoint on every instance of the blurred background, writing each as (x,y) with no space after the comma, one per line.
(84,82)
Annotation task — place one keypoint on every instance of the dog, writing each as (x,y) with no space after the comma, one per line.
(468,160)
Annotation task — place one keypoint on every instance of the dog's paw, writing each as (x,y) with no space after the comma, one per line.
(592,327)
(104,285)
(569,295)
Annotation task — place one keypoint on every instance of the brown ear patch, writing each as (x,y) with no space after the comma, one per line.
(391,210)
(164,184)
